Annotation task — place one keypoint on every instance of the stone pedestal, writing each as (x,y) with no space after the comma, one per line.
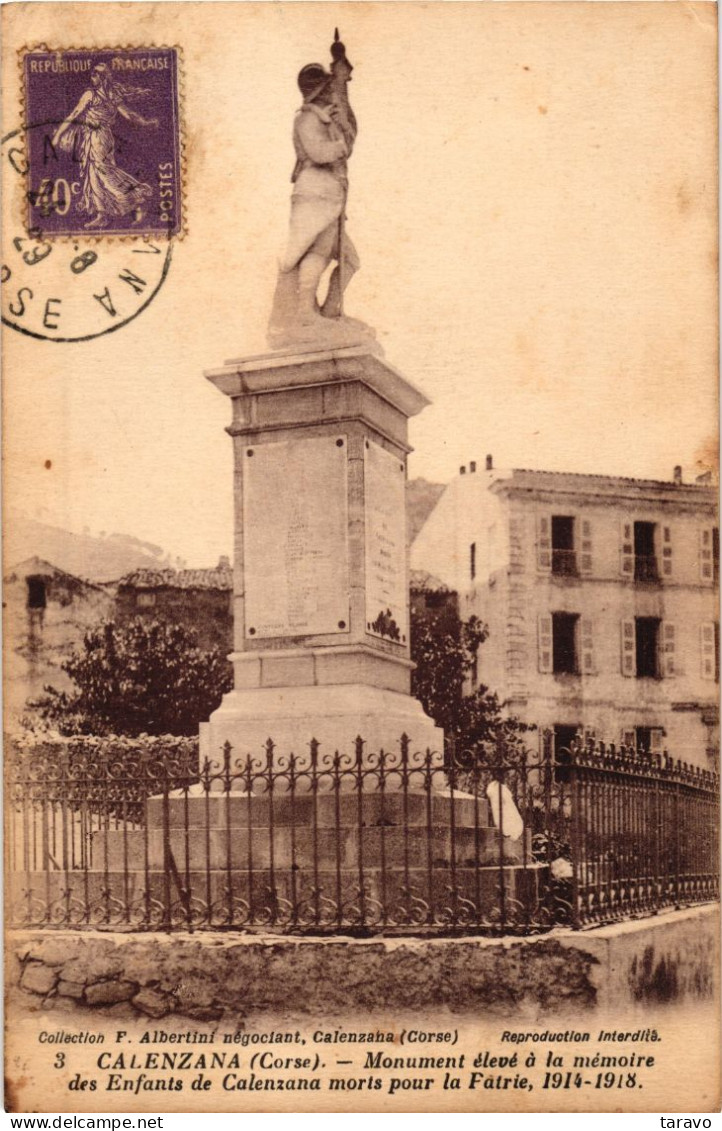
(321,618)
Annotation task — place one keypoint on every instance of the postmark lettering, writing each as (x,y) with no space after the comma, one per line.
(69,290)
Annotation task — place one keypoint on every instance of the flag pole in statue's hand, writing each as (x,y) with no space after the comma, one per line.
(341,76)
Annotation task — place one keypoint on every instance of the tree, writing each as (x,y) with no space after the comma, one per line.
(146,677)
(444,649)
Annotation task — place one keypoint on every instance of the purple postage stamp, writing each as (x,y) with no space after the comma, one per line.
(103,141)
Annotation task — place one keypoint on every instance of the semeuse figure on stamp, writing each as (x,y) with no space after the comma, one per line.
(324,132)
(107,191)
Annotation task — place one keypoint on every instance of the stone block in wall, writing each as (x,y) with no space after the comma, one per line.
(91,968)
(109,993)
(51,952)
(70,989)
(195,993)
(152,1002)
(39,979)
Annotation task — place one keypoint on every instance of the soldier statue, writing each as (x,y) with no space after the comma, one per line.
(324,132)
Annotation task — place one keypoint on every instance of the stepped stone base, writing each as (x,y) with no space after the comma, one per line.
(251,832)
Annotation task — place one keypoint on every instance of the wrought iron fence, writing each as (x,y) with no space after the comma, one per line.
(493,842)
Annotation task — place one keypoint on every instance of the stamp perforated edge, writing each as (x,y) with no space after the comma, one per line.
(130,237)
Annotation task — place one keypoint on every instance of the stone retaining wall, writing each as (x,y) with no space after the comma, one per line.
(210,976)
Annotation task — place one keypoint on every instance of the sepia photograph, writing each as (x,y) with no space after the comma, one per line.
(361,557)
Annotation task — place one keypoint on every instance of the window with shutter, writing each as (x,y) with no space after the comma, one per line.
(666,551)
(628,737)
(705,554)
(564,548)
(585,547)
(629,648)
(669,639)
(545,642)
(656,740)
(649,740)
(544,543)
(707,641)
(626,558)
(586,645)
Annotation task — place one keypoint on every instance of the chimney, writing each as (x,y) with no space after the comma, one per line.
(224,562)
(472,467)
(462,470)
(489,463)
(677,476)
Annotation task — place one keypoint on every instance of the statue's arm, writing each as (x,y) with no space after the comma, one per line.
(315,139)
(135,118)
(72,116)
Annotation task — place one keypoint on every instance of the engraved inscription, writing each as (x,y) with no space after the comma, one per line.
(386,595)
(295,528)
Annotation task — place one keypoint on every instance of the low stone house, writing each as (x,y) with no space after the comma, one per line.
(46,613)
(198,599)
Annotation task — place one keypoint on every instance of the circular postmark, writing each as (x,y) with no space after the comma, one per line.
(75,288)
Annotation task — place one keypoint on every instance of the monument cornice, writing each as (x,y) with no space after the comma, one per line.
(347,418)
(284,370)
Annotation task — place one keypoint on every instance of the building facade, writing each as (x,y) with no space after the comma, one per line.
(46,613)
(600,595)
(198,599)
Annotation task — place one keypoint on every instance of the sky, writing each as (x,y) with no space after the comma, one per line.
(533,198)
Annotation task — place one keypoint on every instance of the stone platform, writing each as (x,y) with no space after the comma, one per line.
(331,830)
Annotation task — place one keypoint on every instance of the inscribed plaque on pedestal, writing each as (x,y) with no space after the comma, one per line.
(295,524)
(385,496)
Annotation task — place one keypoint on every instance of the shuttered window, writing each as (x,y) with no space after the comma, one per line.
(586,645)
(544,543)
(626,556)
(629,648)
(669,644)
(707,644)
(585,547)
(705,554)
(545,642)
(666,551)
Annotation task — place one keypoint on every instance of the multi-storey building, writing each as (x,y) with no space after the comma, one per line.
(600,597)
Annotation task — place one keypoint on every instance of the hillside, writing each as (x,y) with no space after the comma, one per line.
(109,557)
(83,555)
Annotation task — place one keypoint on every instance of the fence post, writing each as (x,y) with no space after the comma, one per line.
(576,835)
(657,822)
(167,853)
(676,845)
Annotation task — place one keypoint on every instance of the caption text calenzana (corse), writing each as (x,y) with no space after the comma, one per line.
(339,1060)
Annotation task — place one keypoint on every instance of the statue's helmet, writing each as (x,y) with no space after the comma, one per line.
(312,80)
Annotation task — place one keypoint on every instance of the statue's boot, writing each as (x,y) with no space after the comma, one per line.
(329,332)
(309,325)
(296,318)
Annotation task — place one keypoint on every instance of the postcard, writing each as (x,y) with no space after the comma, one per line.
(361,557)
